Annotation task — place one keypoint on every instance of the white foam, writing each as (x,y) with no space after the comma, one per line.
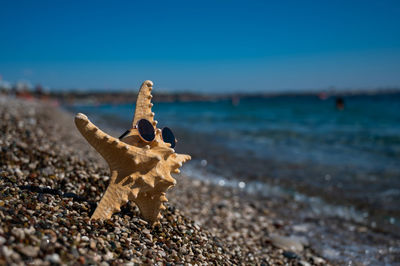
(318,207)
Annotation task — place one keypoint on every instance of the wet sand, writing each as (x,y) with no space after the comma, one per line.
(51,181)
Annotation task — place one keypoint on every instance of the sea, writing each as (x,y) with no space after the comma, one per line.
(346,160)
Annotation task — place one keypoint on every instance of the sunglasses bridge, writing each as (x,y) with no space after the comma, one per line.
(144,125)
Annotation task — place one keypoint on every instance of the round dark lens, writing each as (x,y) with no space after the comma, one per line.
(146,130)
(168,136)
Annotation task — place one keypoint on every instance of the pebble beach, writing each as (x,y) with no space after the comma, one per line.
(51,181)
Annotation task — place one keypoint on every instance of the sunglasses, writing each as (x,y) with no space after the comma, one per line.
(147,133)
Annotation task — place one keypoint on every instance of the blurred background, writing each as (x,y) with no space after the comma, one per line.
(303,96)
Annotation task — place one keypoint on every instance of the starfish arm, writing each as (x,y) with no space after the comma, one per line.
(181,158)
(150,205)
(116,153)
(143,104)
(112,200)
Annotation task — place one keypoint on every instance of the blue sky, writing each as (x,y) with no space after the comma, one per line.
(208,46)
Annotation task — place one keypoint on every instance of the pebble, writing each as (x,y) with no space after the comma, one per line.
(330,253)
(108,256)
(7,252)
(45,227)
(318,260)
(92,244)
(29,250)
(303,228)
(304,263)
(290,255)
(53,258)
(18,232)
(286,243)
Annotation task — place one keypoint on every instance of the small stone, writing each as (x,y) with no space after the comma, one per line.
(92,244)
(81,260)
(44,244)
(18,172)
(7,252)
(74,252)
(286,243)
(304,263)
(303,228)
(290,255)
(53,258)
(141,221)
(109,255)
(330,253)
(33,165)
(18,232)
(29,251)
(182,227)
(85,238)
(362,229)
(318,260)
(183,250)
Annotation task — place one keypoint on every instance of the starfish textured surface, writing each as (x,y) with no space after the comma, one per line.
(140,172)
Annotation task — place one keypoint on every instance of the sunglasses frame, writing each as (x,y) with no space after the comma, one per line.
(144,140)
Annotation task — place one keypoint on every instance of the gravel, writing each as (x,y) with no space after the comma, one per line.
(51,181)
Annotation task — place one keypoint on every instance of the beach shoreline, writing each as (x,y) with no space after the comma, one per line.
(236,227)
(343,189)
(304,145)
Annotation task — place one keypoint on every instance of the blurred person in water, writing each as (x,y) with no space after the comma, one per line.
(339,103)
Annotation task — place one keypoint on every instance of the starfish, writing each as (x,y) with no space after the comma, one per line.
(140,172)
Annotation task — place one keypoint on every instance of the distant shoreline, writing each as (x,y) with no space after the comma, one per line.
(117,97)
(103,96)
